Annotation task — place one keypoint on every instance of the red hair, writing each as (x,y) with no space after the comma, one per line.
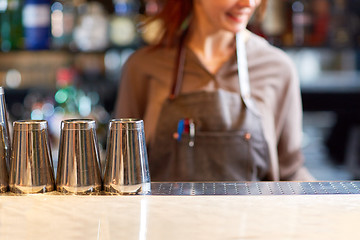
(175,15)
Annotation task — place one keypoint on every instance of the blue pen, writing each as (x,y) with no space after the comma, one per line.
(180,128)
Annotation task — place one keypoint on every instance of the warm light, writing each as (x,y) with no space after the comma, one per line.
(13,78)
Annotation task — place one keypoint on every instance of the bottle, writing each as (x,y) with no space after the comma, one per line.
(301,22)
(340,32)
(321,22)
(91,30)
(4,27)
(11,25)
(37,24)
(274,22)
(63,17)
(353,7)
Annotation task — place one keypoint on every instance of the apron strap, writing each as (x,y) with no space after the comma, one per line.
(179,69)
(243,72)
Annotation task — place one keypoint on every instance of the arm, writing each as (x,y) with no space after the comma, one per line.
(131,97)
(290,155)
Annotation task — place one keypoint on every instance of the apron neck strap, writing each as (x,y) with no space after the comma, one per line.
(243,73)
(179,69)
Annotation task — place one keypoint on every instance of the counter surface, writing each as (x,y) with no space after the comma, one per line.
(180,217)
(53,216)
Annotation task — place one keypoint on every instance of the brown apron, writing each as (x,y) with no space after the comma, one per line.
(222,139)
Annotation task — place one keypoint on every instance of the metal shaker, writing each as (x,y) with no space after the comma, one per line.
(31,168)
(78,168)
(5,146)
(127,170)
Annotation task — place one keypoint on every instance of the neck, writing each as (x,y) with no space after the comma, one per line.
(213,48)
(210,43)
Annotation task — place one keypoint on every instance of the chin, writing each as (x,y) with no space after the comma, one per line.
(236,29)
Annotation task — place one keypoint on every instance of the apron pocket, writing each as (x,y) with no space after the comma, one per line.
(216,156)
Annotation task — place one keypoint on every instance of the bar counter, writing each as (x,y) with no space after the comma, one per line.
(317,210)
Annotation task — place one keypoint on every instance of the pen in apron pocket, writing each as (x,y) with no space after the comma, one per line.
(185,126)
(191,125)
(180,130)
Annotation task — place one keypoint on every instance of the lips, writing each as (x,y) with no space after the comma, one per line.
(239,15)
(238,18)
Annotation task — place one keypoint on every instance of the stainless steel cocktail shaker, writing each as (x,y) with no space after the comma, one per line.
(127,170)
(31,168)
(78,168)
(5,146)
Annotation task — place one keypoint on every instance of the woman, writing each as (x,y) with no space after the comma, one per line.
(218,102)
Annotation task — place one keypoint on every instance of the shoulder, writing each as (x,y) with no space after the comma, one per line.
(149,58)
(149,65)
(260,52)
(272,72)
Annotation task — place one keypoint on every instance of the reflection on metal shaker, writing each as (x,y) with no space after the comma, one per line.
(31,168)
(127,170)
(5,146)
(78,168)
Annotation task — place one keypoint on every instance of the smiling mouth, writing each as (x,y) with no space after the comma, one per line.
(238,18)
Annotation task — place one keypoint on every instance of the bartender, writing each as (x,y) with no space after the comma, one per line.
(219,103)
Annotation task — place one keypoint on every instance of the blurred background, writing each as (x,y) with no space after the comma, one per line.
(62,59)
